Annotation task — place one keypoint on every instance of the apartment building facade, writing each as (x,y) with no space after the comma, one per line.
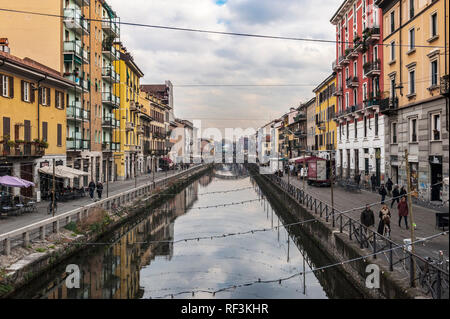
(325,134)
(310,107)
(129,160)
(358,66)
(416,40)
(33,119)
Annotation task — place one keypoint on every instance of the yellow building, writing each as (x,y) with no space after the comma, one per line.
(128,160)
(325,109)
(415,54)
(33,118)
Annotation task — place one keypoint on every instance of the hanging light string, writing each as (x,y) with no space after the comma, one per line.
(209,193)
(280,280)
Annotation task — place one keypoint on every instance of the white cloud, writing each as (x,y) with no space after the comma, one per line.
(199,58)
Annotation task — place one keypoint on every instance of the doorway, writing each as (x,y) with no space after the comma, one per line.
(378,165)
(394,174)
(26,173)
(436,178)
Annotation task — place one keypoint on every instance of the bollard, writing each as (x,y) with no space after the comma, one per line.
(56,226)
(7,246)
(42,232)
(26,239)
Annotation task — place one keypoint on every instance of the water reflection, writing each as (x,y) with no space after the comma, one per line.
(138,265)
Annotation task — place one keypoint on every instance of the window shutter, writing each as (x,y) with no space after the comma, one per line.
(44,131)
(31,94)
(49,98)
(22,83)
(59,130)
(1,85)
(62,100)
(11,87)
(56,98)
(40,96)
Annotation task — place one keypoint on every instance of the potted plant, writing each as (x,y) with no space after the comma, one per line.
(11,143)
(43,144)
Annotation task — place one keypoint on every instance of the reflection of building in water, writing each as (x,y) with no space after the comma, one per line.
(113,271)
(205,180)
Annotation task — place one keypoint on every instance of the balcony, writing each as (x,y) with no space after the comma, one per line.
(110,27)
(110,99)
(129,126)
(76,113)
(336,66)
(354,53)
(73,52)
(301,116)
(77,144)
(352,81)
(133,106)
(74,20)
(108,74)
(110,52)
(110,121)
(372,35)
(21,149)
(80,84)
(445,85)
(389,106)
(321,125)
(338,91)
(372,68)
(82,3)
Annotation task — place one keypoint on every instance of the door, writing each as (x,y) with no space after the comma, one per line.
(394,173)
(436,177)
(378,165)
(26,173)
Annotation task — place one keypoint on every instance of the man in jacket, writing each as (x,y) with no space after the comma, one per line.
(99,189)
(373,181)
(395,196)
(91,189)
(367,217)
(403,192)
(389,185)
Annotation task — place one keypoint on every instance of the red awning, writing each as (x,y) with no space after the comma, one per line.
(308,158)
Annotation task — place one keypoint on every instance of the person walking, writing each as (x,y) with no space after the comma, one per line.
(403,212)
(385,220)
(99,189)
(373,181)
(91,187)
(358,178)
(389,185)
(367,217)
(395,196)
(403,191)
(382,191)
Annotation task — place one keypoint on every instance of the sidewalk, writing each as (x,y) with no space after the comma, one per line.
(11,223)
(423,217)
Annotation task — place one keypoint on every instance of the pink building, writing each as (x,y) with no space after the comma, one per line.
(359,89)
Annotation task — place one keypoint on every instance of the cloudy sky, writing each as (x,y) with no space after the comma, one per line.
(188,58)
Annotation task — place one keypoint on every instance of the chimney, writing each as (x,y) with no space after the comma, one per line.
(4,45)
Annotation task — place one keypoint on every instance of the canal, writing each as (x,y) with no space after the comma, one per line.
(194,246)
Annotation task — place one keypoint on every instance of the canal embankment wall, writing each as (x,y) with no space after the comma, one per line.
(135,202)
(338,247)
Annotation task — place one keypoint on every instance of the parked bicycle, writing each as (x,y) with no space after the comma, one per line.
(428,278)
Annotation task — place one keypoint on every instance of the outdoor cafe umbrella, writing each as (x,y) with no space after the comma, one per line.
(13,181)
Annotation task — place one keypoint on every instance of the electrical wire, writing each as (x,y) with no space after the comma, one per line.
(209,31)
(280,280)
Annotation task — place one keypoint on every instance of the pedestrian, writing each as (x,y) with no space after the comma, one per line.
(395,196)
(367,217)
(385,220)
(99,189)
(382,191)
(358,178)
(389,186)
(403,192)
(91,189)
(373,181)
(403,212)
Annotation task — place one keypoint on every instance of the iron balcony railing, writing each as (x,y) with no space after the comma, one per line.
(389,105)
(21,149)
(78,144)
(111,27)
(372,34)
(372,68)
(352,81)
(110,98)
(76,113)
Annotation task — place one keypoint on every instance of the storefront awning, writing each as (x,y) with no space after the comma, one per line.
(63,172)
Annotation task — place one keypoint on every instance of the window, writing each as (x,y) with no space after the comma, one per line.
(59,99)
(392,87)
(412,81)
(411,9)
(355,97)
(44,96)
(45,131)
(411,39)
(413,130)
(434,24)
(26,92)
(348,130)
(356,128)
(355,66)
(364,91)
(376,124)
(6,86)
(392,21)
(436,127)
(375,53)
(355,16)
(434,73)
(346,100)
(59,134)
(392,50)
(394,132)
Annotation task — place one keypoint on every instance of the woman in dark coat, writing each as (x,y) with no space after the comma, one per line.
(403,211)
(385,220)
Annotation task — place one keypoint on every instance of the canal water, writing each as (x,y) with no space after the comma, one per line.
(198,245)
